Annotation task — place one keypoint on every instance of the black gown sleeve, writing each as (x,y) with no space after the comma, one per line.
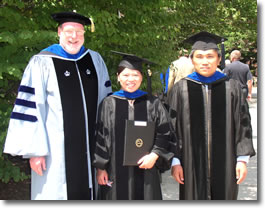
(242,122)
(174,114)
(103,137)
(165,144)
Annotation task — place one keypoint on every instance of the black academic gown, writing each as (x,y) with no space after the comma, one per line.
(131,183)
(214,128)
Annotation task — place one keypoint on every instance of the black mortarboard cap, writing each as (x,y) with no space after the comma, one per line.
(204,41)
(62,17)
(132,61)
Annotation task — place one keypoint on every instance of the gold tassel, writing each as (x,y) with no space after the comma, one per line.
(149,72)
(92,27)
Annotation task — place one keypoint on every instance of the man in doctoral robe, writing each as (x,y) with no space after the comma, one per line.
(210,115)
(53,120)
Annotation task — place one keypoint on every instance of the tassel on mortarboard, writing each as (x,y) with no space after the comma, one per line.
(92,26)
(149,80)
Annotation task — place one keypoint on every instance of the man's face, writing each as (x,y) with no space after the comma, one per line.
(71,36)
(206,62)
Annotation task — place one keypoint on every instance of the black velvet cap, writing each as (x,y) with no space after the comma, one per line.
(62,17)
(132,61)
(204,41)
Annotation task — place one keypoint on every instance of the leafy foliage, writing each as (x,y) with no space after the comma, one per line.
(153,29)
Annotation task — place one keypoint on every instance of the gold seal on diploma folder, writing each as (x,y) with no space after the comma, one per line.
(139,140)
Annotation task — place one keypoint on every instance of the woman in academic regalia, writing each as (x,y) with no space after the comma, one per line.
(142,181)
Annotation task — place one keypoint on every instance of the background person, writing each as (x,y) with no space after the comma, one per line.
(241,72)
(179,69)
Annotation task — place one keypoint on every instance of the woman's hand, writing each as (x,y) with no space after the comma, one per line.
(148,161)
(37,164)
(103,178)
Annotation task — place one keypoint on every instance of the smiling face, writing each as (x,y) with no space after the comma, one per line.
(206,62)
(71,36)
(130,80)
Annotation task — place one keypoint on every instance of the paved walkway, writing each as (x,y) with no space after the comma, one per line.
(248,189)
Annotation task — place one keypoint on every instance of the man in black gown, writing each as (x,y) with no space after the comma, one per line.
(211,119)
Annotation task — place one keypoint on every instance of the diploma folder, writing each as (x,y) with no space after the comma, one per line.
(139,140)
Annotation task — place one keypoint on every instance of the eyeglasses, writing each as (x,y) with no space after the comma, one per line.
(71,32)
